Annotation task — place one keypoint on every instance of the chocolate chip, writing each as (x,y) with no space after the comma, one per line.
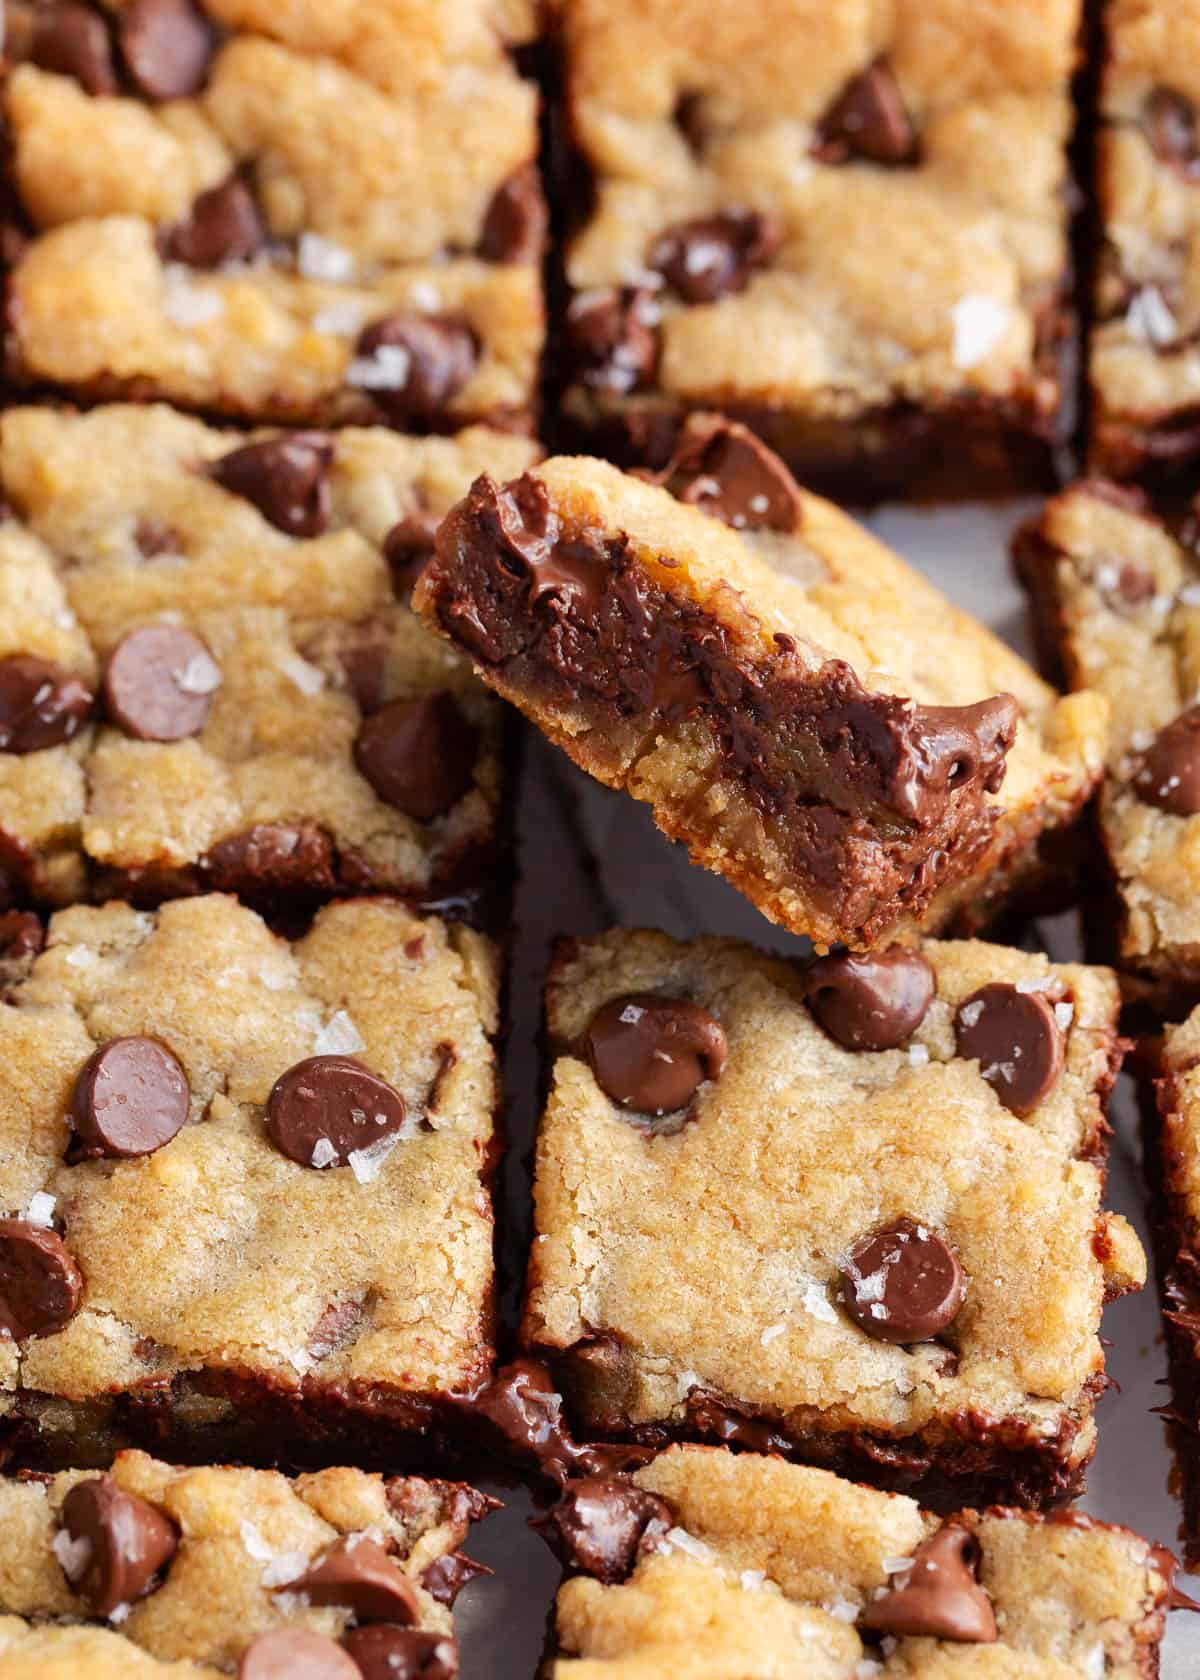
(272,855)
(222,226)
(525,1410)
(720,467)
(159,683)
(129,1541)
(867,120)
(714,256)
(72,40)
(296,1654)
(613,339)
(1016,1039)
(937,1596)
(393,1653)
(418,755)
(514,225)
(327,1108)
(363,654)
(406,548)
(1169,774)
(902,1284)
(600,1524)
(356,1574)
(167,45)
(286,478)
(40,1284)
(446,1576)
(424,362)
(1169,120)
(651,1053)
(871,1002)
(154,538)
(955,746)
(130,1098)
(41,704)
(22,936)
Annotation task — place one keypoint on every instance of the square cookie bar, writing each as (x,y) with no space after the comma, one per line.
(713,1564)
(797,705)
(843,223)
(851,1214)
(1116,594)
(1172,1156)
(209,671)
(245,1182)
(308,213)
(148,1570)
(1144,356)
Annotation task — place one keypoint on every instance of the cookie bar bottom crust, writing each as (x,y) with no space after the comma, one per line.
(1176,1245)
(986,1463)
(968,448)
(231,1417)
(819,762)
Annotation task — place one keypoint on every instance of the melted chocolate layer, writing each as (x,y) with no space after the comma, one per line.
(879,802)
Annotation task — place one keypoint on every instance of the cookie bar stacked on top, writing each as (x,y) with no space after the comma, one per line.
(808,714)
(272,214)
(845,224)
(210,675)
(244,1203)
(147,1570)
(1116,586)
(707,1565)
(851,1214)
(1144,358)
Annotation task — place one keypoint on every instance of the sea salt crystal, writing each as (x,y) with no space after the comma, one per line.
(386,369)
(896,1565)
(771,1332)
(970,1013)
(678,1539)
(73,1555)
(119,1613)
(1064,1014)
(631,1015)
(366,1163)
(340,320)
(752,1579)
(321,259)
(918,1055)
(1039,983)
(1149,318)
(841,1609)
(1189,595)
(185,304)
(338,1037)
(81,956)
(868,1669)
(687,1380)
(284,1567)
(423,295)
(323,1153)
(307,678)
(254,1543)
(1095,1663)
(872,1287)
(815,1300)
(41,1209)
(980,323)
(201,675)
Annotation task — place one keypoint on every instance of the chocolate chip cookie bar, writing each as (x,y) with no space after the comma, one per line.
(849,1213)
(1144,358)
(1172,1158)
(1116,587)
(149,1570)
(210,675)
(845,225)
(244,1205)
(796,704)
(709,1564)
(305,214)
